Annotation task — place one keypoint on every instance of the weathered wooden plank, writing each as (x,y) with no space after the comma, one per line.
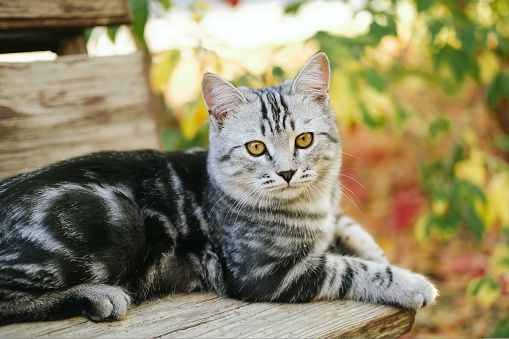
(53,110)
(30,14)
(207,315)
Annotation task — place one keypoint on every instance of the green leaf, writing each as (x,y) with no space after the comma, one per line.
(473,222)
(294,7)
(278,72)
(464,197)
(374,79)
(502,141)
(424,5)
(501,329)
(458,154)
(438,126)
(139,11)
(474,286)
(434,27)
(468,192)
(458,62)
(378,31)
(112,32)
(401,116)
(88,33)
(166,4)
(449,221)
(503,45)
(465,31)
(498,88)
(337,48)
(172,139)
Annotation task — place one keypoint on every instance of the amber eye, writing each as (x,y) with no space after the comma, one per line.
(304,140)
(256,148)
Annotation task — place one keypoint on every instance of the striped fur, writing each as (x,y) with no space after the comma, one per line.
(91,235)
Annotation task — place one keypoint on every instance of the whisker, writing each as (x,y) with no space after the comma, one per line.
(353,156)
(333,185)
(349,177)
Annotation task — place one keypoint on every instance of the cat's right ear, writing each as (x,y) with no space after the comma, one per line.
(313,79)
(221,98)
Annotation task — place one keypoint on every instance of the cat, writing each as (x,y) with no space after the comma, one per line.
(255,217)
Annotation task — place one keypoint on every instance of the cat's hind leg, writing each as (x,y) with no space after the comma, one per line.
(352,238)
(98,302)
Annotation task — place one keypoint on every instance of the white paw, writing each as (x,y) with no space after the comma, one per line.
(412,290)
(107,303)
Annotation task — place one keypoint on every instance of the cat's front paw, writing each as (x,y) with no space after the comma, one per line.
(413,291)
(106,302)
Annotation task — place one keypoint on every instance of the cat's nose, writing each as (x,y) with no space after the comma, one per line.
(287,175)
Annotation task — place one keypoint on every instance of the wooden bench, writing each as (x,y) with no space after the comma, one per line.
(52,110)
(207,315)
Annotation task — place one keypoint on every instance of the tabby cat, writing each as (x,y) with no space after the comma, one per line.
(255,217)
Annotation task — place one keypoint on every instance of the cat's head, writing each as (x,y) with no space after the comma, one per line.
(274,143)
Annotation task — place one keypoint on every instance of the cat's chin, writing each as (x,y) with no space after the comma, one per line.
(288,192)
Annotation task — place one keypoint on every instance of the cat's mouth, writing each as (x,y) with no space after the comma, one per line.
(292,188)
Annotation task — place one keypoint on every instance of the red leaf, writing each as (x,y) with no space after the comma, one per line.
(405,208)
(232,2)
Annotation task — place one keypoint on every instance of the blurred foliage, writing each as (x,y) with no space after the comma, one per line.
(430,45)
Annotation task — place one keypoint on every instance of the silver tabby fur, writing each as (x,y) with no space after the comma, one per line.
(94,234)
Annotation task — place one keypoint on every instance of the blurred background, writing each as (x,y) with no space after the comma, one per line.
(421,93)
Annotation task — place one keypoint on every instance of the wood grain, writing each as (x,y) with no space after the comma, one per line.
(206,315)
(30,14)
(53,110)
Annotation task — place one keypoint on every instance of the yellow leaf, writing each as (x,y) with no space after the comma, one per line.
(498,199)
(499,260)
(421,231)
(489,66)
(485,290)
(488,294)
(193,120)
(343,101)
(439,207)
(471,138)
(162,69)
(471,171)
(473,168)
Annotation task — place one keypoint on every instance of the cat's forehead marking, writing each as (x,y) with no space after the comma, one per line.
(274,109)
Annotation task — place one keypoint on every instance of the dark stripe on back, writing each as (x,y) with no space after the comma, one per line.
(306,286)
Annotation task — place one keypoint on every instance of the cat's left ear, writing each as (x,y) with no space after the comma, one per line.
(313,79)
(221,98)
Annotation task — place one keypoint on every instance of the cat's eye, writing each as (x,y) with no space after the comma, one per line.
(304,140)
(256,148)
